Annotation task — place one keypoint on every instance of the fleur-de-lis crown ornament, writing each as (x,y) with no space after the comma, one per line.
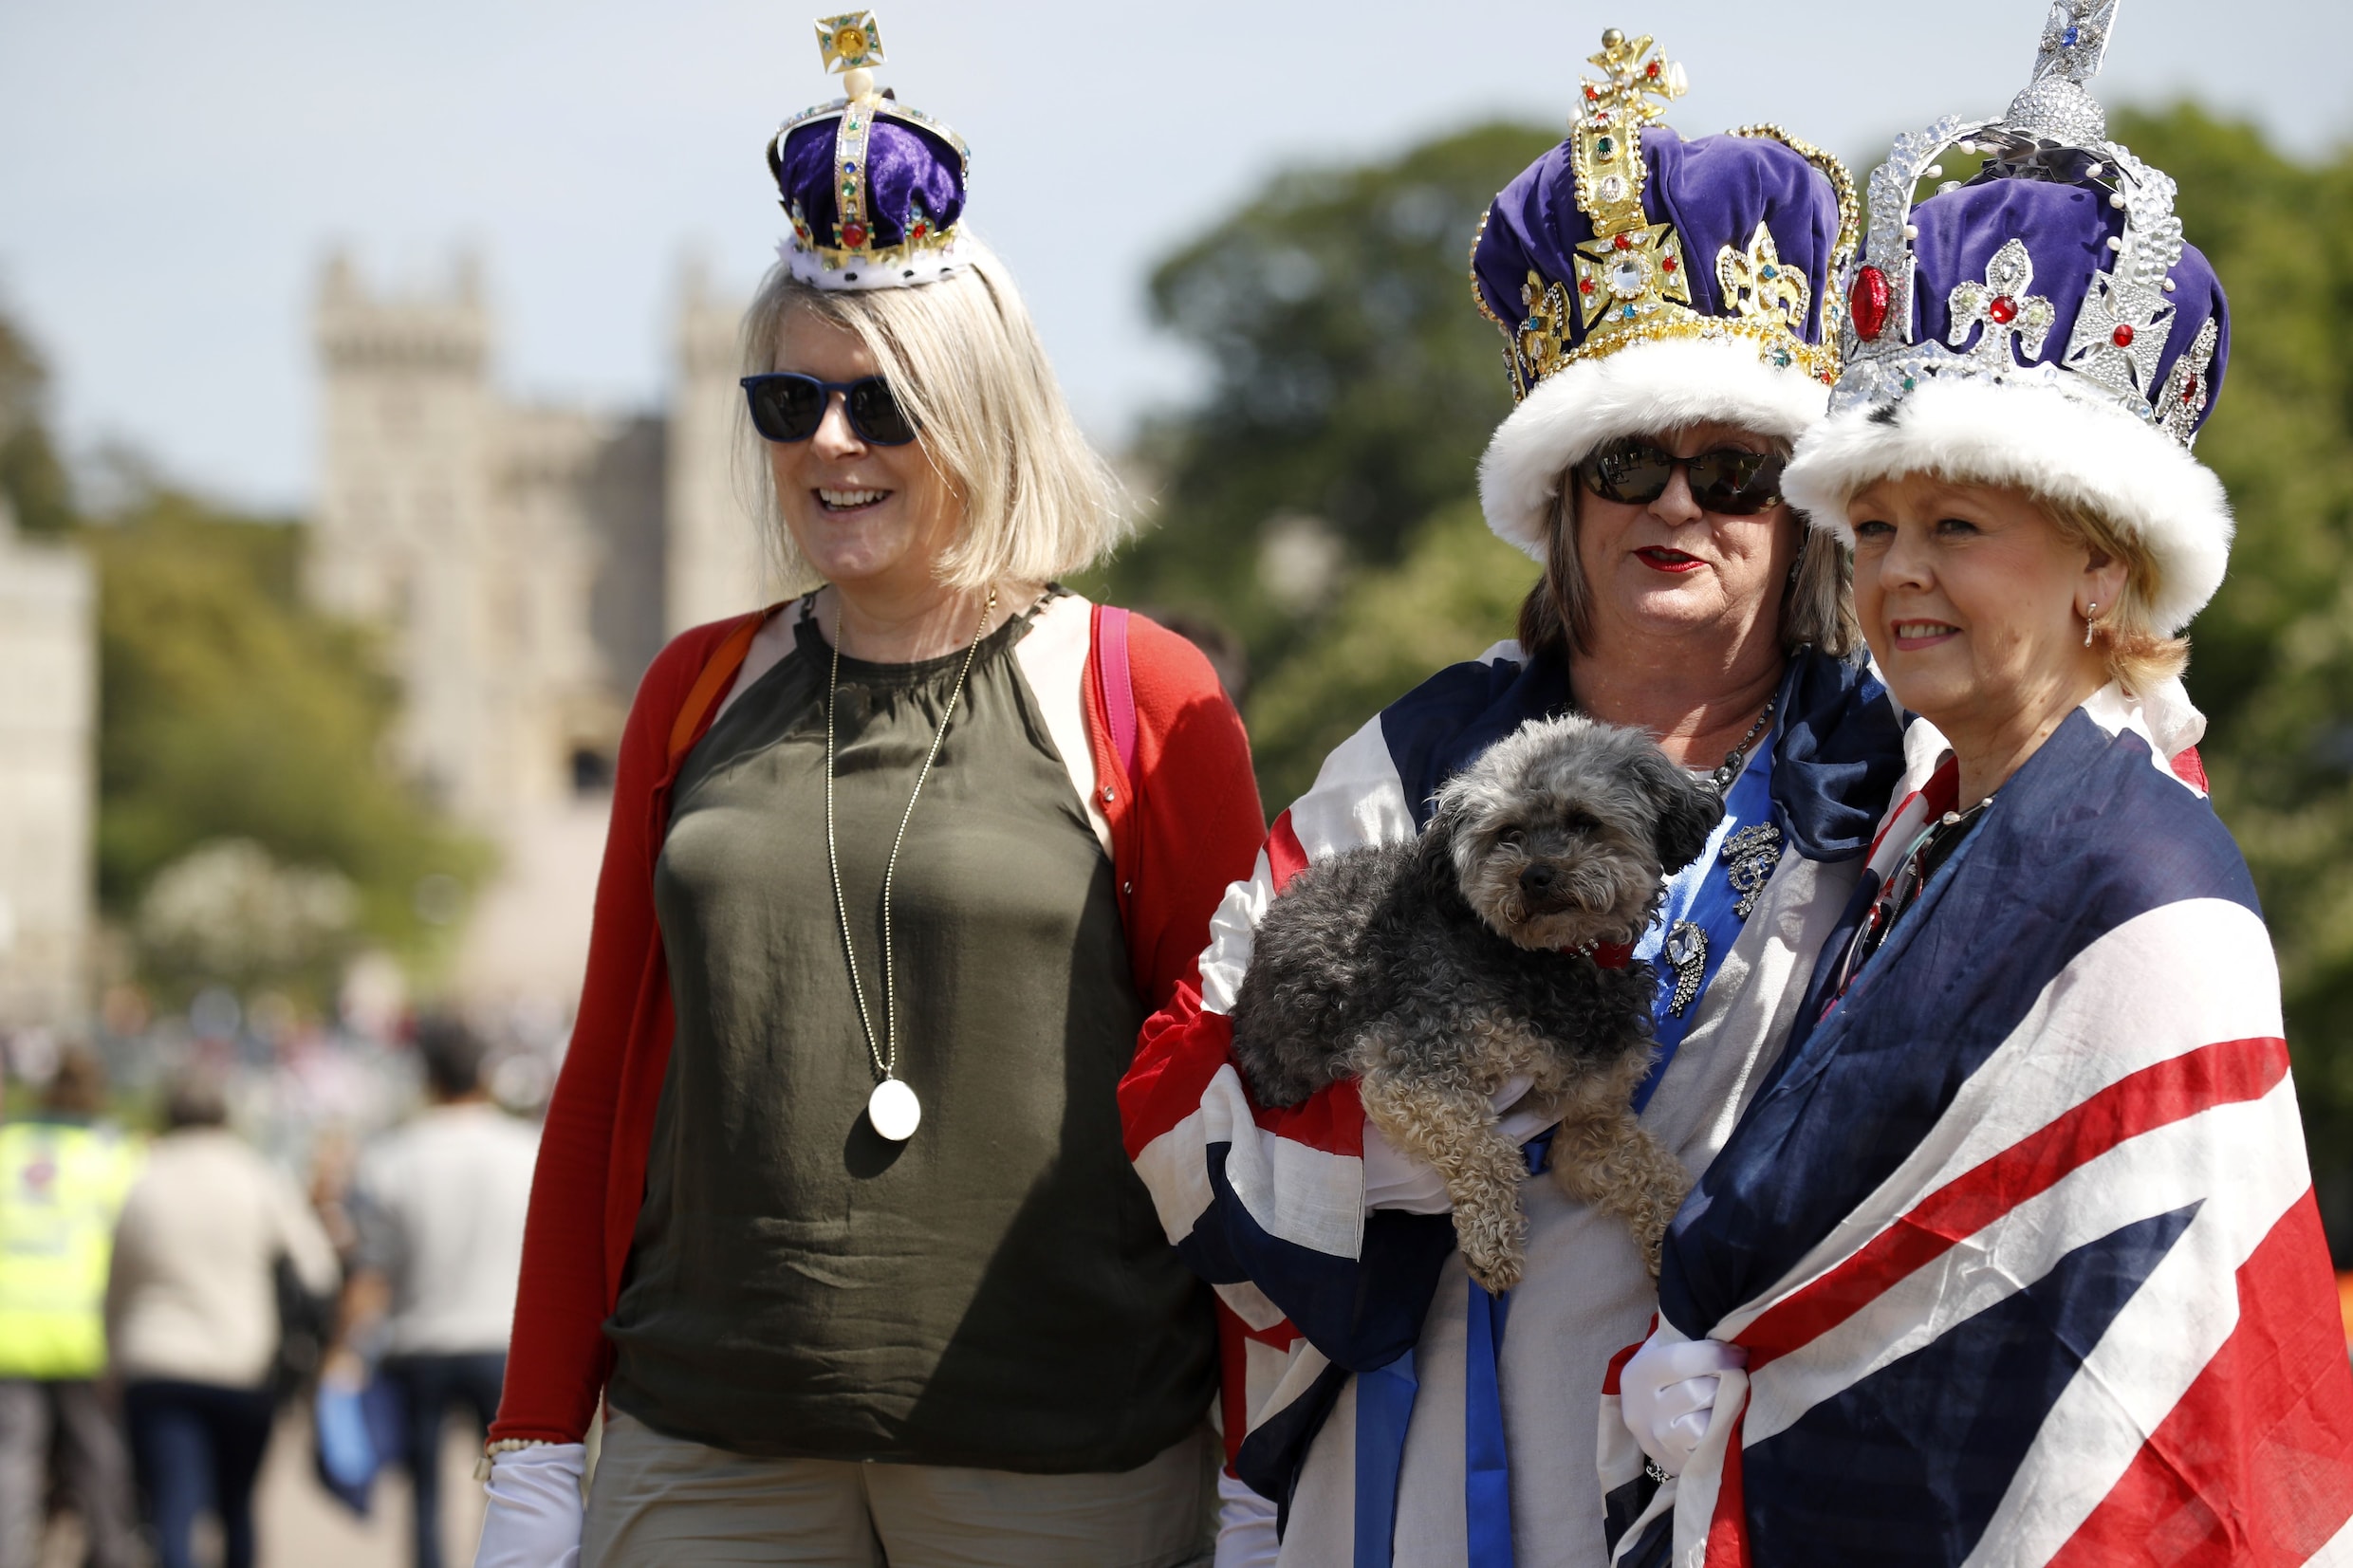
(2057,270)
(874,189)
(1634,273)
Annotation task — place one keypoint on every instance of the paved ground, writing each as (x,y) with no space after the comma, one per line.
(302,1528)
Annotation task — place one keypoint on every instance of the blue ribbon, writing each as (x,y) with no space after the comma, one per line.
(1486,1465)
(1385,1408)
(1702,893)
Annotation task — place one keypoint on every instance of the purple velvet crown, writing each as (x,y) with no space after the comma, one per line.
(2026,259)
(914,182)
(1713,191)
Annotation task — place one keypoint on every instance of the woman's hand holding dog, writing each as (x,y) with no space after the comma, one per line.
(1667,1394)
(1395,1179)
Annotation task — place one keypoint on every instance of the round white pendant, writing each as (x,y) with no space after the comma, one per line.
(894,1110)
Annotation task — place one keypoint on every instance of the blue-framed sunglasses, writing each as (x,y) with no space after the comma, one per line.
(789,406)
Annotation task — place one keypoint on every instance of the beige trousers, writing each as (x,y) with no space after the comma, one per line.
(662,1501)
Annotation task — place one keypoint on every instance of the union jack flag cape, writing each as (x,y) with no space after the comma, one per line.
(1369,1397)
(2020,1238)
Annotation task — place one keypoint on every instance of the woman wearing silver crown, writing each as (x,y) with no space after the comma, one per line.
(832,1212)
(1670,327)
(2015,1259)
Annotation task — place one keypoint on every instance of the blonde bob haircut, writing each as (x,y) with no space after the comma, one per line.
(966,363)
(2138,655)
(1817,609)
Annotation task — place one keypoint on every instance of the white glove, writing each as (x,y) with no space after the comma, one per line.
(1246,1537)
(534,1513)
(1395,1179)
(1667,1392)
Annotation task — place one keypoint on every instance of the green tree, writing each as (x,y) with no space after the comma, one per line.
(230,710)
(2272,655)
(1454,593)
(1352,380)
(31,479)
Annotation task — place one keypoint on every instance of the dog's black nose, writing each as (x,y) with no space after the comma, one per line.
(1537,879)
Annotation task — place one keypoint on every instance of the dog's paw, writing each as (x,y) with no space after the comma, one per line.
(1493,1246)
(1497,1275)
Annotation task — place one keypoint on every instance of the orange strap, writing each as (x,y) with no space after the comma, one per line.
(725,661)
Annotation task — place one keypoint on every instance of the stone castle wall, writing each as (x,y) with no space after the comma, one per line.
(49,707)
(527,561)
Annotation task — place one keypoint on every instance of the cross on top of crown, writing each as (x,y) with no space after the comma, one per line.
(1631,80)
(851,42)
(2075,37)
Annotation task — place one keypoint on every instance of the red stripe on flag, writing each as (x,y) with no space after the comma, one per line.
(1331,1119)
(2157,1096)
(1727,1529)
(2255,1463)
(1940,793)
(1285,858)
(2190,767)
(1179,1051)
(1234,1406)
(1617,1367)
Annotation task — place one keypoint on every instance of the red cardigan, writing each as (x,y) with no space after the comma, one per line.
(1183,827)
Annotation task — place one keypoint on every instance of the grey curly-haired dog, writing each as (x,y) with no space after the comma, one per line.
(1436,969)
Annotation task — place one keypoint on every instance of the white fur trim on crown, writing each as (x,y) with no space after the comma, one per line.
(900,268)
(1646,388)
(2045,442)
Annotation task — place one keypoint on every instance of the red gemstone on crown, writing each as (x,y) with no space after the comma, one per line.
(1625,242)
(1666,264)
(1591,92)
(853,234)
(2122,336)
(1652,71)
(1866,300)
(2004,310)
(2189,389)
(1584,285)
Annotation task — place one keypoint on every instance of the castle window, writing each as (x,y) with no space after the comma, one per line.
(592,771)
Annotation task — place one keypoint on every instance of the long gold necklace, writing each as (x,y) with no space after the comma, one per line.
(892,1108)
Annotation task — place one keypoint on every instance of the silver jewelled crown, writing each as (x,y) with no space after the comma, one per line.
(2054,131)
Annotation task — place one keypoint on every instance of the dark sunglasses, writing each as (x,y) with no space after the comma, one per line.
(789,406)
(1728,481)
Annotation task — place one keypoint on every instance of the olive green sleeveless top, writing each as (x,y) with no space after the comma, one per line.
(994,1292)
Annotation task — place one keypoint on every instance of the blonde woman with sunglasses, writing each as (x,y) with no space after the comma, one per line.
(832,1213)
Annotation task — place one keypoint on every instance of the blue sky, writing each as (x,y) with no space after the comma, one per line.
(171,175)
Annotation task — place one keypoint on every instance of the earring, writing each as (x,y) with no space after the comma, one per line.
(2087,621)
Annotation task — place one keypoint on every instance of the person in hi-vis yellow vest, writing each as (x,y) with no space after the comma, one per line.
(62,1179)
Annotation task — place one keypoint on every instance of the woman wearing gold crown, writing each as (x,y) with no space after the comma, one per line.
(2015,1259)
(1669,321)
(832,1211)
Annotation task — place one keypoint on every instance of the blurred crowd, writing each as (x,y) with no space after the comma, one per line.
(200,1227)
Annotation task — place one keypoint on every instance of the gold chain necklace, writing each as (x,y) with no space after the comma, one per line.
(892,1108)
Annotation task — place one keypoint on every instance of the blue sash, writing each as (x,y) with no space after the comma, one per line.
(1702,893)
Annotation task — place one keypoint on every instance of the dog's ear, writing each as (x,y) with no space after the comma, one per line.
(1447,810)
(1688,810)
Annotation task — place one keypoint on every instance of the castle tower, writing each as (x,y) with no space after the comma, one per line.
(402,510)
(712,551)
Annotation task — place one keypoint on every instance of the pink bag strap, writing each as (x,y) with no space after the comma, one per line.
(1115,684)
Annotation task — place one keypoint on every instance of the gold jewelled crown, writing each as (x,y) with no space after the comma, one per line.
(851,45)
(1631,279)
